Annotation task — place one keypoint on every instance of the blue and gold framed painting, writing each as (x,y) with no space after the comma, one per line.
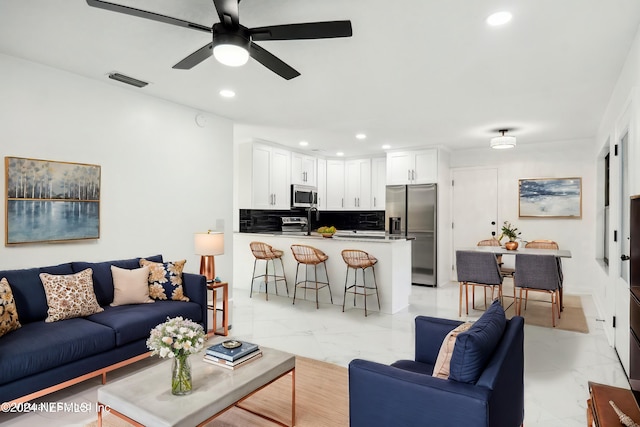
(51,201)
(550,197)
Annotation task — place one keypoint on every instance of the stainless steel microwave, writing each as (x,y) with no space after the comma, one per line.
(303,196)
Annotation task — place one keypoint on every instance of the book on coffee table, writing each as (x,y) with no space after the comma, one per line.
(223,350)
(232,365)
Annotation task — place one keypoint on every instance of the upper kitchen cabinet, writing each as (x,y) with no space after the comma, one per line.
(412,167)
(357,184)
(266,174)
(335,185)
(303,169)
(378,183)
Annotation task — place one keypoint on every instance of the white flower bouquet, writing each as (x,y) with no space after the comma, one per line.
(176,337)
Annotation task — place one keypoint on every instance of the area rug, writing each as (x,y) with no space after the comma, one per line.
(322,400)
(538,312)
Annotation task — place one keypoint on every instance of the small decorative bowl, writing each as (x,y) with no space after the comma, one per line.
(231,344)
(328,235)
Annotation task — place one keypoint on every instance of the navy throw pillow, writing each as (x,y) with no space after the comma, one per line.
(474,347)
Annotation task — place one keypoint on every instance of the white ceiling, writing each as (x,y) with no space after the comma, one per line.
(415,72)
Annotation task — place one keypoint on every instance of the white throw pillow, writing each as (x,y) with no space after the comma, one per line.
(130,286)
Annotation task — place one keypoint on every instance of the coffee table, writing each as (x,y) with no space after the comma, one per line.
(144,398)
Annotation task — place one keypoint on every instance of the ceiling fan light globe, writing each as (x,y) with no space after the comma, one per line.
(231,55)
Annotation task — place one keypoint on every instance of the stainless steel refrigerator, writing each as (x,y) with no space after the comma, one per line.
(415,208)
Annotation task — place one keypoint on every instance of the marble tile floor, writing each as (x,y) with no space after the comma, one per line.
(558,363)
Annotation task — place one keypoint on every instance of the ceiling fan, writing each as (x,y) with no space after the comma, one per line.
(233,43)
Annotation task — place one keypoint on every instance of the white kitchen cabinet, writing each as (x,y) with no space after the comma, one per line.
(322,184)
(270,183)
(412,167)
(378,183)
(335,185)
(357,184)
(303,169)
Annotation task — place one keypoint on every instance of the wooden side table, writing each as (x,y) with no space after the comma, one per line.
(599,411)
(214,287)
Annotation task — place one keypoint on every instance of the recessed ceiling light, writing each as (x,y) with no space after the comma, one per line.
(339,153)
(227,93)
(386,146)
(361,136)
(499,18)
(303,143)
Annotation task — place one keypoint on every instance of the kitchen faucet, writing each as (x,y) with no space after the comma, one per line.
(311,209)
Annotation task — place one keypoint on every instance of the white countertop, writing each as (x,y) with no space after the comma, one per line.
(360,237)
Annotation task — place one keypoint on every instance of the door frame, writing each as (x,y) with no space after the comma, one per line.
(618,298)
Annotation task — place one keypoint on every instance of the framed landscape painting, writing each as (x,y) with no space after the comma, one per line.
(550,197)
(50,201)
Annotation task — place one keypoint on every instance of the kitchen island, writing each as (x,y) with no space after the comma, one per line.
(393,270)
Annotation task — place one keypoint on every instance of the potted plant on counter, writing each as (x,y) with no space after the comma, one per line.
(511,232)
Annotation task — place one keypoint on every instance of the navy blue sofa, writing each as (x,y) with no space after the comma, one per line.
(40,357)
(406,393)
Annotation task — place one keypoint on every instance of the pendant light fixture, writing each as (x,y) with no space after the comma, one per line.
(503,141)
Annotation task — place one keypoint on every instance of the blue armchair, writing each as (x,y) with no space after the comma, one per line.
(406,393)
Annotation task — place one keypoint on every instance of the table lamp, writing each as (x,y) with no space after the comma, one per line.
(207,246)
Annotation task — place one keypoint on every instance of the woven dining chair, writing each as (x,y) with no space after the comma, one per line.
(310,256)
(542,244)
(538,273)
(505,271)
(477,269)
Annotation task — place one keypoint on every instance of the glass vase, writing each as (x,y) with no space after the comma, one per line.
(181,375)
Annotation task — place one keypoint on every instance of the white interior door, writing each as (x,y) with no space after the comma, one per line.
(475,207)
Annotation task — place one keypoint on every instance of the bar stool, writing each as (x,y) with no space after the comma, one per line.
(357,259)
(308,255)
(264,252)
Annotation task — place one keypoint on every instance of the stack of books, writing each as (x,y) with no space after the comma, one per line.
(230,357)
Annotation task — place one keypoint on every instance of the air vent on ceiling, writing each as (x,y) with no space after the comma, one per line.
(128,80)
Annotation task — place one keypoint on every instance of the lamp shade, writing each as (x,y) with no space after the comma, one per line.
(211,243)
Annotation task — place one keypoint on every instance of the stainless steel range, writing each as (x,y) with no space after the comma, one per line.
(293,224)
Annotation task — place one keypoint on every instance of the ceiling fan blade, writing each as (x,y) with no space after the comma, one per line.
(272,62)
(195,58)
(309,30)
(145,14)
(228,12)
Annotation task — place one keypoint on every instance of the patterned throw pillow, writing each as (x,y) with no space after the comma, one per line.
(8,313)
(165,279)
(70,295)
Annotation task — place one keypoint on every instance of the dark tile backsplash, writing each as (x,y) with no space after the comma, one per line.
(258,221)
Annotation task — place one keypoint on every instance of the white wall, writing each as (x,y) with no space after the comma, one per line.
(559,159)
(163,177)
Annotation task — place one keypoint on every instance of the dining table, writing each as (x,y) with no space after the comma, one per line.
(500,250)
